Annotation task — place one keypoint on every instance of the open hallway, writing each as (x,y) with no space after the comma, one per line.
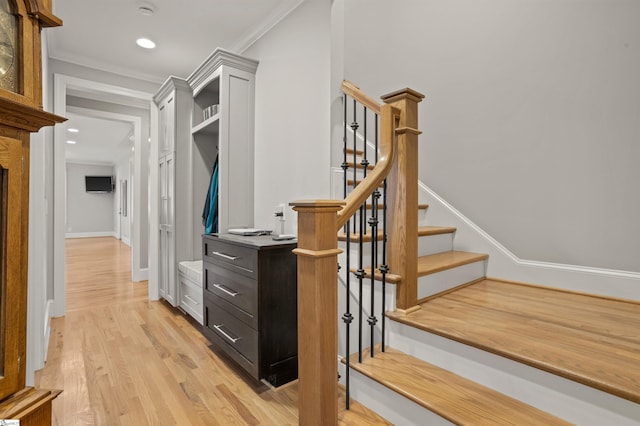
(122,360)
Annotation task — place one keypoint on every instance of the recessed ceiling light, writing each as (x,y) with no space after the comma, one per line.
(146,43)
(71,142)
(73,130)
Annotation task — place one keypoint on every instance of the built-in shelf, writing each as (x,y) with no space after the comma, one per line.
(209,126)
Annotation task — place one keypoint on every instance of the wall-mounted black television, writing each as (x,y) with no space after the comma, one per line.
(99,184)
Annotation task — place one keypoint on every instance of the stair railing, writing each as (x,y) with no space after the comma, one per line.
(318,224)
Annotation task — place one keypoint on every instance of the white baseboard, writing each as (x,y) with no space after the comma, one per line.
(47,327)
(90,234)
(126,241)
(140,275)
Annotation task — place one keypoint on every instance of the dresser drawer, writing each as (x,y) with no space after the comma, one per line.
(238,290)
(236,338)
(238,258)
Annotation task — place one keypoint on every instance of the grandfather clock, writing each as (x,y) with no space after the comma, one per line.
(21,22)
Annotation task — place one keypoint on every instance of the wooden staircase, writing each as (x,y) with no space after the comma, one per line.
(590,340)
(466,349)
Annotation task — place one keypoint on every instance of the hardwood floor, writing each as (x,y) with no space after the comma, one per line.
(123,360)
(591,340)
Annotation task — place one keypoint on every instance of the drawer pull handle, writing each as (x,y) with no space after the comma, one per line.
(225,256)
(191,299)
(221,331)
(225,290)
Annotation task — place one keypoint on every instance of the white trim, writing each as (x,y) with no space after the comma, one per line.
(143,274)
(62,83)
(47,327)
(84,62)
(97,234)
(274,19)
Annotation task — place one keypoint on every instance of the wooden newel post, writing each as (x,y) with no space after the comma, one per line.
(403,199)
(317,311)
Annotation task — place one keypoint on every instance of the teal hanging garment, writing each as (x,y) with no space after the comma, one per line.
(210,211)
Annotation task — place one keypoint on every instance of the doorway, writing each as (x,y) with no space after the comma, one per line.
(106,101)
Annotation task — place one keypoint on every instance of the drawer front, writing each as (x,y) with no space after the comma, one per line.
(241,259)
(191,299)
(233,336)
(238,290)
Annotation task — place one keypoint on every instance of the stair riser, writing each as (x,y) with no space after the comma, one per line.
(428,244)
(392,406)
(563,398)
(366,254)
(429,285)
(432,244)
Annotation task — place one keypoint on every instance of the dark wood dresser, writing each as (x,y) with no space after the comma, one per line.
(250,303)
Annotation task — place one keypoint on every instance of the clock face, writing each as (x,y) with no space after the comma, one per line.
(8,35)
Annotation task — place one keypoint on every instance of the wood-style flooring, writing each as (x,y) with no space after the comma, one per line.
(123,360)
(592,340)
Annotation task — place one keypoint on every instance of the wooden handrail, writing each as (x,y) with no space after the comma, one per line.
(318,223)
(354,91)
(389,119)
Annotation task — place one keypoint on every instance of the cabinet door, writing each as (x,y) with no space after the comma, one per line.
(12,295)
(171,190)
(167,258)
(162,263)
(162,173)
(166,121)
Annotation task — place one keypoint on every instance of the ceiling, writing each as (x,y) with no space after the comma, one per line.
(102,35)
(98,140)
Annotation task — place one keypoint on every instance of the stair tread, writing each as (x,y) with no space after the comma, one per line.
(357,151)
(587,339)
(351,165)
(453,397)
(447,260)
(423,231)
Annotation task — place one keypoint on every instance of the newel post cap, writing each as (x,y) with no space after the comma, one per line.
(401,94)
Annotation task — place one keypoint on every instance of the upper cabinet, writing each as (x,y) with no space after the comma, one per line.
(223,130)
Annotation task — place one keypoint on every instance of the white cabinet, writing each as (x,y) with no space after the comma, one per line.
(174,145)
(207,116)
(228,81)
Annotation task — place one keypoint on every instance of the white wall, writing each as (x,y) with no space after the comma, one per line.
(88,214)
(292,113)
(531,117)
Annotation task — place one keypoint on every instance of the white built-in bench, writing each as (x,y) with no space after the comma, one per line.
(190,286)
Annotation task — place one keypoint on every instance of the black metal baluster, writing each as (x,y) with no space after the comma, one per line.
(384,268)
(360,275)
(344,165)
(364,162)
(347,318)
(373,222)
(354,128)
